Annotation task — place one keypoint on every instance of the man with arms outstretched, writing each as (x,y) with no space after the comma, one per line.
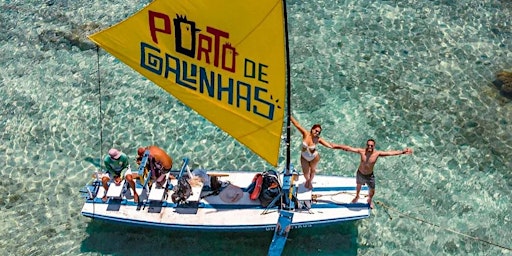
(369,157)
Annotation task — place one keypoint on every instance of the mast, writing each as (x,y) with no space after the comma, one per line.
(288,90)
(288,191)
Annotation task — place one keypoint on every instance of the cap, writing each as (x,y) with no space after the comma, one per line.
(114,153)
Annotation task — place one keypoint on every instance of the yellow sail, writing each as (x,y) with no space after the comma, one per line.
(225,59)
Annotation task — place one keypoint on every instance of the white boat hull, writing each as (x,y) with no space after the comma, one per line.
(332,205)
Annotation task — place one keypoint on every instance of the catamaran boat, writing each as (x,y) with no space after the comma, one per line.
(229,62)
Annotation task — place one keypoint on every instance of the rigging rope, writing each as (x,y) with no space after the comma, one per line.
(99,93)
(386,208)
(315,196)
(100,114)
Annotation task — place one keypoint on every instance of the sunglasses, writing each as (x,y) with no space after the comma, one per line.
(370,145)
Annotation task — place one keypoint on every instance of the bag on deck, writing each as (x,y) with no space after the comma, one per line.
(182,190)
(270,188)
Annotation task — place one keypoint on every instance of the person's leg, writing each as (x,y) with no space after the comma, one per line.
(312,166)
(358,188)
(371,184)
(359,182)
(105,181)
(305,170)
(160,180)
(129,178)
(370,196)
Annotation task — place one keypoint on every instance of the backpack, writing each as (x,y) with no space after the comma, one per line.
(270,188)
(182,190)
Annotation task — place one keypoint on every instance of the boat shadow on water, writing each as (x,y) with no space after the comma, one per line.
(116,239)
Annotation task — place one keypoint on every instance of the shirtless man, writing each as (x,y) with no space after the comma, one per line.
(159,162)
(369,157)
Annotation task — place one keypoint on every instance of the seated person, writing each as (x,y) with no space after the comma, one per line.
(159,163)
(115,163)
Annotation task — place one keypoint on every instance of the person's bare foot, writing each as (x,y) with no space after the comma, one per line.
(370,202)
(355,199)
(135,198)
(104,199)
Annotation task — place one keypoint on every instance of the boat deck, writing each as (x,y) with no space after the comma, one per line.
(329,202)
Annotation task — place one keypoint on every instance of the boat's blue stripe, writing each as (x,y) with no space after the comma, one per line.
(319,205)
(268,227)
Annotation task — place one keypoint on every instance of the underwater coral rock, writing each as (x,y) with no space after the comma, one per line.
(504,83)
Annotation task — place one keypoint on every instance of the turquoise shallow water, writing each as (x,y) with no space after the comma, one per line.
(407,73)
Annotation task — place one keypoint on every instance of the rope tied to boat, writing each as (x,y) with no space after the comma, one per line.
(400,213)
(314,197)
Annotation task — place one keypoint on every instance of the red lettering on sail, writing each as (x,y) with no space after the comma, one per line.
(156,20)
(217,34)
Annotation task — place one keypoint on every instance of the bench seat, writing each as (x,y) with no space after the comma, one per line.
(158,193)
(114,191)
(196,193)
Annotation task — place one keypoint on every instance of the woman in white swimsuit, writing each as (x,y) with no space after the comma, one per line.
(309,156)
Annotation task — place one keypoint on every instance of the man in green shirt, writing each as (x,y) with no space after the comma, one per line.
(115,163)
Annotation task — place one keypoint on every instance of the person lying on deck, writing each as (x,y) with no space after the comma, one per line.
(115,163)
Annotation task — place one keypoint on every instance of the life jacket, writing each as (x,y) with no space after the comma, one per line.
(254,189)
